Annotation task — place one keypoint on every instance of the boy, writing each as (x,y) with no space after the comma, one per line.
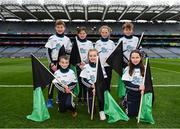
(55,42)
(130,42)
(66,81)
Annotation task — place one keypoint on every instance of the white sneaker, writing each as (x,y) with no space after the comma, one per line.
(102,115)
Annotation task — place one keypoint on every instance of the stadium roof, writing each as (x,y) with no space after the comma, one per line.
(90,10)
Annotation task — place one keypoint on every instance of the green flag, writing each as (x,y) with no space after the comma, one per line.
(40,111)
(146,110)
(112,109)
(115,60)
(148,97)
(121,89)
(76,89)
(41,78)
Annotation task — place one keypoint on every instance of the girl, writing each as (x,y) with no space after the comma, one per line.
(105,46)
(133,79)
(88,76)
(84,45)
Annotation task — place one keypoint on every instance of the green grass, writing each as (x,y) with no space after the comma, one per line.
(16,103)
(18,71)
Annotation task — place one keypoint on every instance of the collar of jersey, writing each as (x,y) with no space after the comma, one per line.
(93,65)
(136,66)
(63,70)
(60,35)
(104,39)
(128,37)
(81,40)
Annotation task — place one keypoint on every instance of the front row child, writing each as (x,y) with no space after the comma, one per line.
(66,83)
(133,79)
(88,76)
(54,44)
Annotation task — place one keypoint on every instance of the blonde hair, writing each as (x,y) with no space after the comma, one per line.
(91,50)
(105,27)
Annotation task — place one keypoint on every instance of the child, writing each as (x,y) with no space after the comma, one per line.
(55,42)
(105,46)
(88,76)
(130,42)
(84,45)
(133,79)
(66,77)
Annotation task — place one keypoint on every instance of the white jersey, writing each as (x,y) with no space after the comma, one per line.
(129,45)
(55,43)
(136,77)
(84,48)
(104,49)
(65,78)
(90,73)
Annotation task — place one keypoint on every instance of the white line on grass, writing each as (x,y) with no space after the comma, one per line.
(16,86)
(158,85)
(13,86)
(166,70)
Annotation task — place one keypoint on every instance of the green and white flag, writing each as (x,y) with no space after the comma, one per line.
(41,78)
(112,109)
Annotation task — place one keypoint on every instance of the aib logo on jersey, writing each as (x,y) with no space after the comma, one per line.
(129,48)
(82,50)
(64,82)
(58,46)
(92,78)
(104,50)
(136,80)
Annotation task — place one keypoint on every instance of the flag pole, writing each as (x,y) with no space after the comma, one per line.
(52,74)
(92,111)
(50,88)
(138,45)
(142,93)
(87,95)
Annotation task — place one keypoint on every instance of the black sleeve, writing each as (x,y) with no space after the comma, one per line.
(72,85)
(86,82)
(49,51)
(131,86)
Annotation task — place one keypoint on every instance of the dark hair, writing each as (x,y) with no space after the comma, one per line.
(64,57)
(131,65)
(128,25)
(59,22)
(81,29)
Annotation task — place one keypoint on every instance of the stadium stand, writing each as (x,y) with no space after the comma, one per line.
(48,28)
(26,26)
(162,52)
(25,52)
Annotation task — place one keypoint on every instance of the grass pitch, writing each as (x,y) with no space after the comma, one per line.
(16,102)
